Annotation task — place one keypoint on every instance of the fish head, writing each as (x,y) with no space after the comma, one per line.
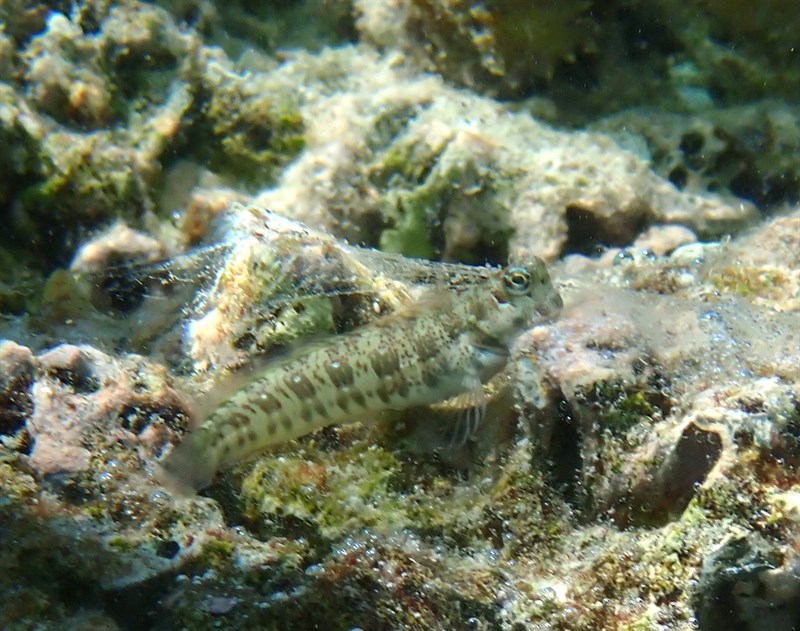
(523,295)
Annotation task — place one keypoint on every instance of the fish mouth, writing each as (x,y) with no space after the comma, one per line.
(499,301)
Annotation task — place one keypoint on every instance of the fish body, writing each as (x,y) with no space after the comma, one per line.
(447,345)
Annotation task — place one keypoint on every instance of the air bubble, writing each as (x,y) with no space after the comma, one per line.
(623,256)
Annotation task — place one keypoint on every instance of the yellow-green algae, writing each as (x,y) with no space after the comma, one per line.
(253,134)
(437,193)
(365,486)
(617,407)
(470,41)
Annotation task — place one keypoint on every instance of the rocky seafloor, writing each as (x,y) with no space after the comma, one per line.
(639,470)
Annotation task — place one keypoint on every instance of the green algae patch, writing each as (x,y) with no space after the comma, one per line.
(413,201)
(18,296)
(345,493)
(411,234)
(364,488)
(442,197)
(84,177)
(121,544)
(619,407)
(216,553)
(751,282)
(253,135)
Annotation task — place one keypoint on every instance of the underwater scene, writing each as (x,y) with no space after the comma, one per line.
(363,315)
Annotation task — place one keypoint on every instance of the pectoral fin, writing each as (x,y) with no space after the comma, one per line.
(489,357)
(472,409)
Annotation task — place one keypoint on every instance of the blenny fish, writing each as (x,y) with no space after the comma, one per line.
(447,344)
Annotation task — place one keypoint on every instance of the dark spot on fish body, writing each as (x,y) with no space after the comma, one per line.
(426,348)
(236,420)
(241,440)
(320,409)
(252,436)
(306,413)
(480,309)
(430,379)
(248,407)
(287,423)
(268,404)
(402,388)
(340,372)
(358,398)
(383,393)
(342,401)
(272,428)
(385,363)
(301,386)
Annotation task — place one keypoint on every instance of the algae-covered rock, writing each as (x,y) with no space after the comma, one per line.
(582,55)
(640,448)
(368,149)
(89,149)
(739,52)
(743,583)
(639,401)
(15,396)
(748,151)
(270,26)
(252,133)
(416,166)
(101,98)
(479,45)
(638,465)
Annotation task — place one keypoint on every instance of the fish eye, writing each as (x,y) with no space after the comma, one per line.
(517,280)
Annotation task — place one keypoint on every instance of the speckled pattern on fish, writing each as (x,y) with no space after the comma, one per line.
(448,344)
